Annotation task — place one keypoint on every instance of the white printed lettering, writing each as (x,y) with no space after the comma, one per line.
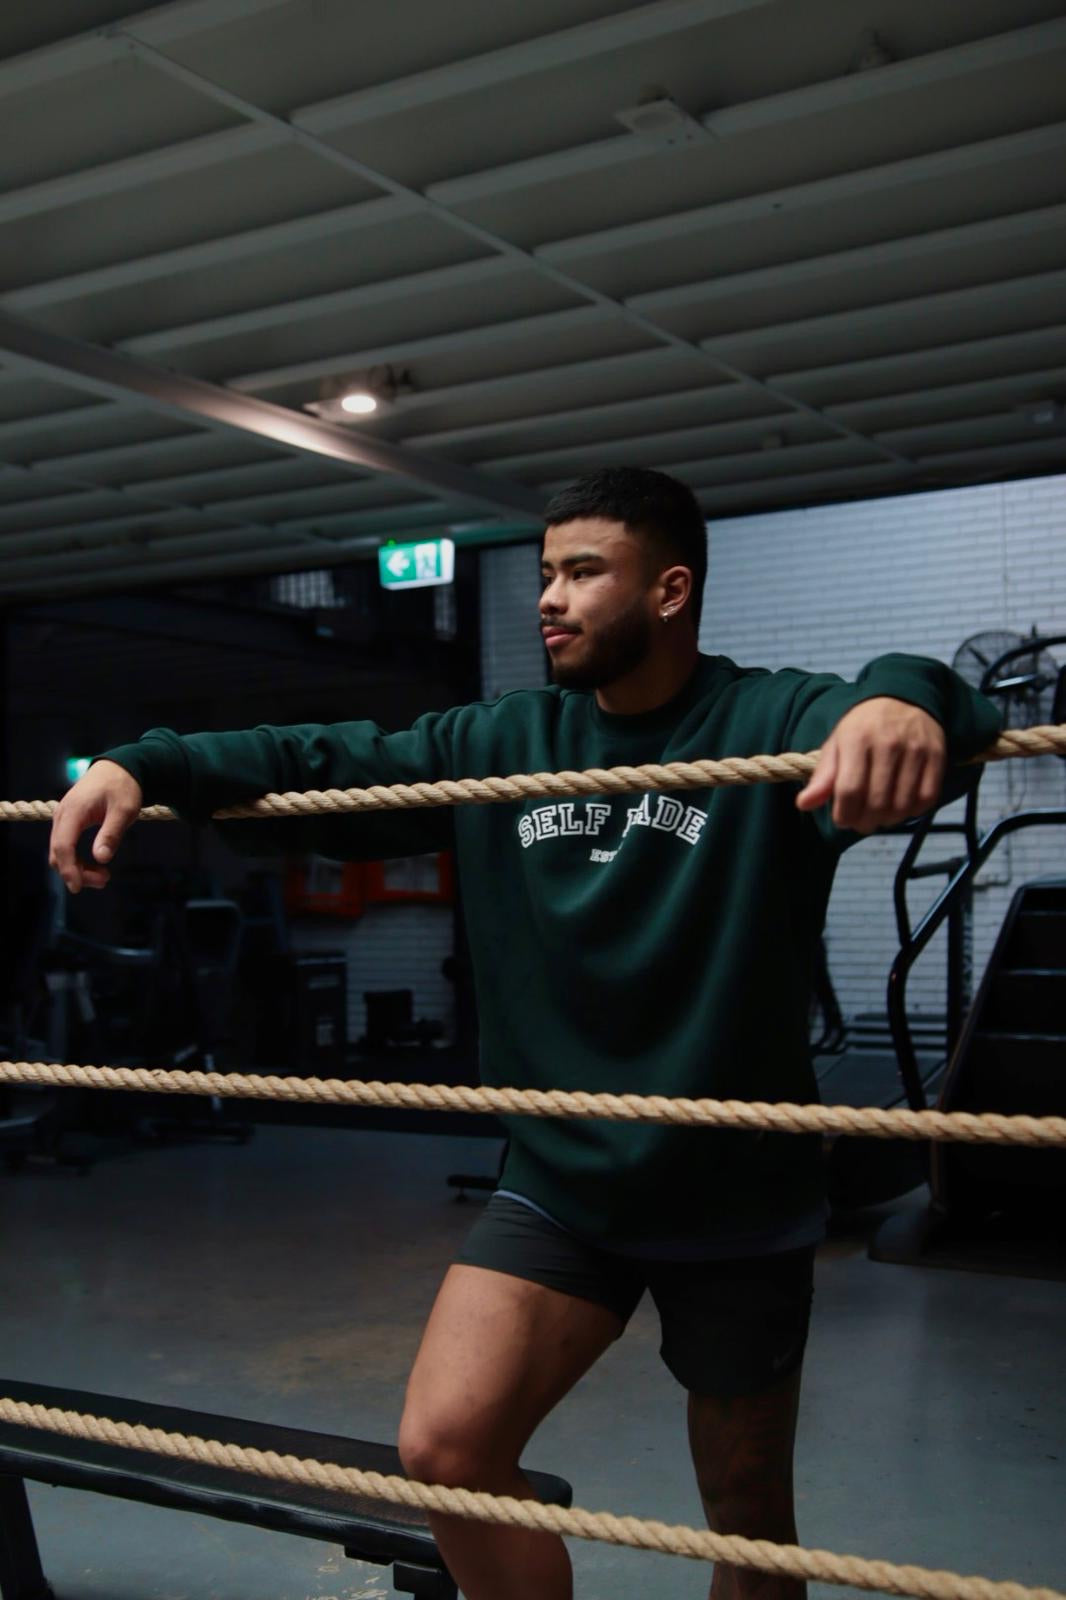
(596,814)
(638,816)
(693,825)
(568,823)
(667,814)
(544,821)
(526,832)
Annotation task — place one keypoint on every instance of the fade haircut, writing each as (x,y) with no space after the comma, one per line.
(656,508)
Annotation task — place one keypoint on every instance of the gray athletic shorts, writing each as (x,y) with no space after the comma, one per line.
(729,1327)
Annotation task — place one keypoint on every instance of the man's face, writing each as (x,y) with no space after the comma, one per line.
(597,611)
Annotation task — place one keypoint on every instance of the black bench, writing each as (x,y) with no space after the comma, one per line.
(369,1530)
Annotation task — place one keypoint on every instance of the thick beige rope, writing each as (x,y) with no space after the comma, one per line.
(786,1559)
(734,770)
(959,1127)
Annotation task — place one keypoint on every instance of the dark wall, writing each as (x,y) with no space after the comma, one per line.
(87,675)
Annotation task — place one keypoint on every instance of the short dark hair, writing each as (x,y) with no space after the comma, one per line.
(652,505)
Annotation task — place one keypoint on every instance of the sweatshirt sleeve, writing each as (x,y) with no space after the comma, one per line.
(970,721)
(197,774)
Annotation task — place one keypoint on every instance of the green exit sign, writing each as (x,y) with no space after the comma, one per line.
(416,566)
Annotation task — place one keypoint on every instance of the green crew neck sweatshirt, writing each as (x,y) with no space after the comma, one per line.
(654,944)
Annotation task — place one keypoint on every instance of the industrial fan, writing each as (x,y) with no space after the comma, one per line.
(1025,685)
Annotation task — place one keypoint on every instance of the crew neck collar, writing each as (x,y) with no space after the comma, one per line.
(642,722)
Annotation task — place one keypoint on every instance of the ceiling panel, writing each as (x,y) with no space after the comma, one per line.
(847,278)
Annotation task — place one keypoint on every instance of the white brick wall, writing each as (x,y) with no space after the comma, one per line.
(829,588)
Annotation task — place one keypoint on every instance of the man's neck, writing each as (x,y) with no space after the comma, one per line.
(655,682)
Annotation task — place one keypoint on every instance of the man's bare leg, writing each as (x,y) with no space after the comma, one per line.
(742,1452)
(497,1355)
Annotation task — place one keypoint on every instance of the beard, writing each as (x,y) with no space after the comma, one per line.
(615,650)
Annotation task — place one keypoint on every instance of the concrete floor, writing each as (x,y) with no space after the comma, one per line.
(288,1280)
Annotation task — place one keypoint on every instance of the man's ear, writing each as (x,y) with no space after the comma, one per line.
(675,588)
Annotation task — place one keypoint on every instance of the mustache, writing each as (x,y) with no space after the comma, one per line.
(557,627)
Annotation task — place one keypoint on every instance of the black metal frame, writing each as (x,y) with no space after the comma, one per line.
(955,903)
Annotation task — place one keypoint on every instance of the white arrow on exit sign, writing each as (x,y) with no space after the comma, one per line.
(418,565)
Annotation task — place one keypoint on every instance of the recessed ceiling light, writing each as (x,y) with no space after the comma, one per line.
(359,404)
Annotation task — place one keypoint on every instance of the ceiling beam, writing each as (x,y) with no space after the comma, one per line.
(783,109)
(995,346)
(121,456)
(843,483)
(70,417)
(424,88)
(969,237)
(636,409)
(599,301)
(256,114)
(251,244)
(981,295)
(856,185)
(495,68)
(132,172)
(544,325)
(790,106)
(929,431)
(655,438)
(110,373)
(605,367)
(437,280)
(164,24)
(705,470)
(1051,452)
(488,269)
(1015,388)
(146,508)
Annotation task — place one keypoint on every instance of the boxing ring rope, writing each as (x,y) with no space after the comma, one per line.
(871,1122)
(786,1560)
(733,771)
(699,1544)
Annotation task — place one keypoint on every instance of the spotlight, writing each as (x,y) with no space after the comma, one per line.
(358,404)
(361,394)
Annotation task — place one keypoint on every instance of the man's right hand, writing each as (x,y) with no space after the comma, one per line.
(108,796)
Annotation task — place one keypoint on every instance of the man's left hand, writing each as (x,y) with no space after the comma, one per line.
(883,762)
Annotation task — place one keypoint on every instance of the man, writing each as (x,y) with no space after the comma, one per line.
(650,943)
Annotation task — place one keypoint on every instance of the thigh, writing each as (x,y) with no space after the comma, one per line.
(735,1328)
(498,1353)
(522,1314)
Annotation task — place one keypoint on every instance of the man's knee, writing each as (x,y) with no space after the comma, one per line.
(754,1510)
(444,1449)
(742,1452)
